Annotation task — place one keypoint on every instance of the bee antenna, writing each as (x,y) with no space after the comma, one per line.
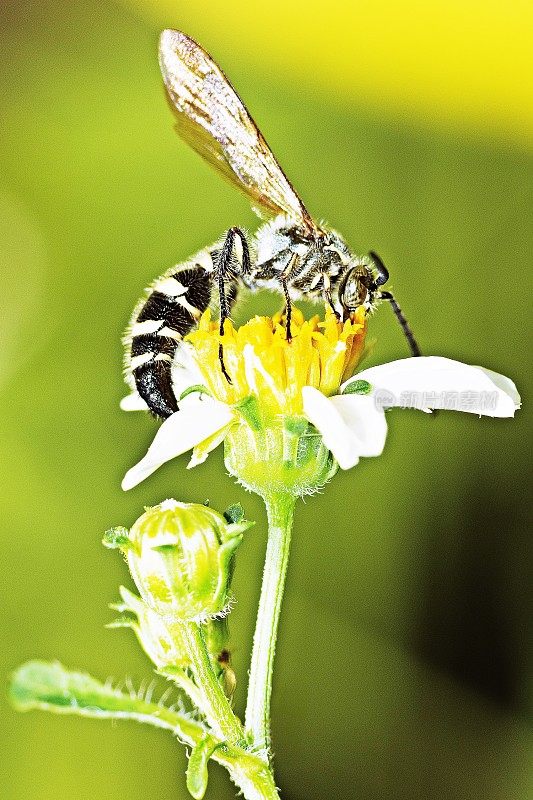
(413,345)
(381,269)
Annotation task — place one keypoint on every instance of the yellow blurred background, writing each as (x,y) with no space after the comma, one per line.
(404,665)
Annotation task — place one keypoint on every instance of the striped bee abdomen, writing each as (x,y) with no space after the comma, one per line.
(174,305)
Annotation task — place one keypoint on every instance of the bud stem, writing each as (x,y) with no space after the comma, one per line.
(215,703)
(280,511)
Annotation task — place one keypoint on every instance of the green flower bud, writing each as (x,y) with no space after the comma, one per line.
(180,556)
(162,646)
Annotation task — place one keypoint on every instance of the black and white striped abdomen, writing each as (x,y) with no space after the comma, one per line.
(173,307)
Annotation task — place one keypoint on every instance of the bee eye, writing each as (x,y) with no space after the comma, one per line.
(381,269)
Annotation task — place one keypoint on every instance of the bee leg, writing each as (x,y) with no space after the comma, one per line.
(226,271)
(288,309)
(224,314)
(284,277)
(326,295)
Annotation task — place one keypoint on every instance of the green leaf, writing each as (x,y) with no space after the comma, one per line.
(197,769)
(50,687)
(358,387)
(178,676)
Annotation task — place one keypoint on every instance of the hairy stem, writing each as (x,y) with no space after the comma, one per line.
(280,511)
(215,703)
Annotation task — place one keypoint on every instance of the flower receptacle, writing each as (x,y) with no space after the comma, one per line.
(287,456)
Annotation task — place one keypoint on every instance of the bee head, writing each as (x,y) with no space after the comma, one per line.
(355,287)
(361,282)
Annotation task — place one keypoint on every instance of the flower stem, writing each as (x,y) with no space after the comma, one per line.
(215,703)
(280,511)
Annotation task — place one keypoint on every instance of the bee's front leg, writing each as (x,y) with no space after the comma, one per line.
(326,294)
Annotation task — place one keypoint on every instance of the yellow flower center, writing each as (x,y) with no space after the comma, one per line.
(260,361)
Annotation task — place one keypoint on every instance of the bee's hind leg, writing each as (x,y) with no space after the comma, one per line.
(231,265)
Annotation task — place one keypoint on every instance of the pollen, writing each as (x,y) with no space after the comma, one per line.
(260,361)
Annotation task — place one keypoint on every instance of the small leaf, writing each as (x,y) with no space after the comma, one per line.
(197,769)
(116,538)
(235,513)
(358,387)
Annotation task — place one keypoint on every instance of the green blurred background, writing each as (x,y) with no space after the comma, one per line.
(404,665)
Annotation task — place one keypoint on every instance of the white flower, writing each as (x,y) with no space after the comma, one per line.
(352,423)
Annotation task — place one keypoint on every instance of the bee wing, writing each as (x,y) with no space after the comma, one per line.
(214,121)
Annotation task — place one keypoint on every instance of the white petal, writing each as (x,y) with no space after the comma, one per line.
(133,402)
(202,450)
(505,384)
(196,420)
(185,371)
(349,428)
(436,382)
(364,420)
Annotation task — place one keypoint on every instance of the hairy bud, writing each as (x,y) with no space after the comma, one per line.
(180,556)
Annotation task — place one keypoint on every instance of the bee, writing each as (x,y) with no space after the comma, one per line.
(290,253)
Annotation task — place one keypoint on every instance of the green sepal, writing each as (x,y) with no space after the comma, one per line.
(117,538)
(234,516)
(164,548)
(250,411)
(194,389)
(236,528)
(225,556)
(358,387)
(296,425)
(197,768)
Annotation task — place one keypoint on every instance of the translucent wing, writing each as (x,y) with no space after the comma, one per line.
(214,121)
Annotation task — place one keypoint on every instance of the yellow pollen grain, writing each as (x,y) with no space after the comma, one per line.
(321,353)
